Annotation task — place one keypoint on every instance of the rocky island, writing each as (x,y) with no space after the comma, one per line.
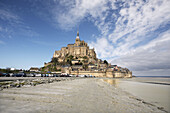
(79,59)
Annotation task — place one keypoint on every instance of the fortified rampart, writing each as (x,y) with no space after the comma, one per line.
(109,74)
(96,74)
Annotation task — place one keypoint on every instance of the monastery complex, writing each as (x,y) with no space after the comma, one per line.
(79,59)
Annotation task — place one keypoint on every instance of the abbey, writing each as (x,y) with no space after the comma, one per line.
(79,59)
(78,49)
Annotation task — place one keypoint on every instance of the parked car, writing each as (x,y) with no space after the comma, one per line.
(10,74)
(1,74)
(65,75)
(19,74)
(55,75)
(4,74)
(7,74)
(46,75)
(81,75)
(50,75)
(87,75)
(30,75)
(90,76)
(42,75)
(72,75)
(38,75)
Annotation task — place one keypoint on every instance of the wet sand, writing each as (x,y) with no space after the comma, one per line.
(86,95)
(153,90)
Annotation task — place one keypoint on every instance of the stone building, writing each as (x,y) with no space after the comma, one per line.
(34,69)
(78,49)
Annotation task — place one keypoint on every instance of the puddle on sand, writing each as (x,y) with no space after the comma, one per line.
(113,82)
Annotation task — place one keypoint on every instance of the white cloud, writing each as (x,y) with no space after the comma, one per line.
(136,21)
(77,10)
(152,56)
(102,47)
(164,37)
(141,17)
(132,40)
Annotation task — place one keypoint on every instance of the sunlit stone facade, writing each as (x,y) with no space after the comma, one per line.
(78,49)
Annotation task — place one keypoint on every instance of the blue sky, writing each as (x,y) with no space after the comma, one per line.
(129,33)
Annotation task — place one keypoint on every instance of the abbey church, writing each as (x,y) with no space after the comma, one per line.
(79,59)
(78,49)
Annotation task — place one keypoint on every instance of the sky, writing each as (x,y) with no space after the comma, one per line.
(129,33)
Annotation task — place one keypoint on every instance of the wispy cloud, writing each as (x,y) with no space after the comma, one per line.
(139,18)
(11,24)
(152,56)
(130,30)
(8,16)
(135,22)
(76,11)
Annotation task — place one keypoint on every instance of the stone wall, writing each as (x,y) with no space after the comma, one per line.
(118,74)
(109,74)
(96,74)
(128,75)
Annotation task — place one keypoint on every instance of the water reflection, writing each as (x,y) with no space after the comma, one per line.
(114,82)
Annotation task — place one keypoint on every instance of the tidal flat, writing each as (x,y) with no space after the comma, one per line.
(153,90)
(79,95)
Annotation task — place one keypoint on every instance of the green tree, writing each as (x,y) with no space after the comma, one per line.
(85,67)
(71,57)
(85,57)
(54,60)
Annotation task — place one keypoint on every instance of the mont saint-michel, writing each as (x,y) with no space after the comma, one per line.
(79,59)
(78,56)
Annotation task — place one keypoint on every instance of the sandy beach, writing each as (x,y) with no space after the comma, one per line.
(82,95)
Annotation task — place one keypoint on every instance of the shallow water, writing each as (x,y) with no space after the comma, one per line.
(149,89)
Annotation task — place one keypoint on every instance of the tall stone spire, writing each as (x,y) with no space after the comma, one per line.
(77,38)
(77,33)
